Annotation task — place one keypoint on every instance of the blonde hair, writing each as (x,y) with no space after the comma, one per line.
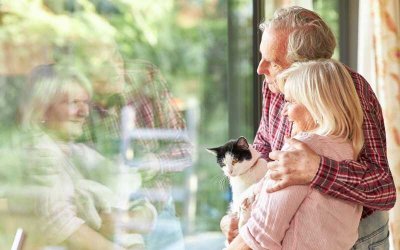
(309,37)
(44,86)
(327,91)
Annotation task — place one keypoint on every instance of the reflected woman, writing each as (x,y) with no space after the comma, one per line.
(72,208)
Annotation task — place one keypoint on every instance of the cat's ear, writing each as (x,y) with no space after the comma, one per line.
(242,143)
(214,151)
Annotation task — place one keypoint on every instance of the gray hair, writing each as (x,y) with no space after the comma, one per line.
(309,37)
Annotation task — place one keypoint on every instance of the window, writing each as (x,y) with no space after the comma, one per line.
(162,74)
(175,69)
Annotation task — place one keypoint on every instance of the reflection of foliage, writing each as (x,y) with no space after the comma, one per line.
(24,20)
(81,37)
(9,99)
(150,30)
(190,50)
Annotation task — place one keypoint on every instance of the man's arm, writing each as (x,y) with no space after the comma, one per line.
(261,140)
(348,180)
(362,182)
(261,143)
(367,181)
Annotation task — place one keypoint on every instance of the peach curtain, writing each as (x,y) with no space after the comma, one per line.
(379,62)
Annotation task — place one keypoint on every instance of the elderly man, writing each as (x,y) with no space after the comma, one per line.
(296,34)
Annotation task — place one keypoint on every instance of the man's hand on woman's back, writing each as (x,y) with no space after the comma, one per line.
(295,167)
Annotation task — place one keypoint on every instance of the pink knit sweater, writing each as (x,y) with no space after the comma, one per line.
(299,217)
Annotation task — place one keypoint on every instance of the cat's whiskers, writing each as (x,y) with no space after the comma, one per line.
(221,181)
(215,179)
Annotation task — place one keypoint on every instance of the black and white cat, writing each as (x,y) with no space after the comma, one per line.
(240,163)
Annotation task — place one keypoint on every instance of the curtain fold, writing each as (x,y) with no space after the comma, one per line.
(379,62)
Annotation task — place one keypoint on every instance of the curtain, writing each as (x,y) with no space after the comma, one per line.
(379,62)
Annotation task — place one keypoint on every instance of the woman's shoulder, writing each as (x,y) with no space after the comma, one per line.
(330,146)
(312,138)
(87,155)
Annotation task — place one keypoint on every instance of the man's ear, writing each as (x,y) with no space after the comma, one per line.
(242,143)
(213,151)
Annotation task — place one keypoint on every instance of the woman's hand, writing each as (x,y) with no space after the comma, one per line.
(229,226)
(139,219)
(108,225)
(87,238)
(142,220)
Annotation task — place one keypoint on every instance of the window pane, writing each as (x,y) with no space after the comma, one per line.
(117,117)
(329,11)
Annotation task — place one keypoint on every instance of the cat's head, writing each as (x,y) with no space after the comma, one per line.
(234,157)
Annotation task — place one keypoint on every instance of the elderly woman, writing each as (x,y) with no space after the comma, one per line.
(74,206)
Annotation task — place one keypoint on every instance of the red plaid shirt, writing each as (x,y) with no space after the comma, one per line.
(367,181)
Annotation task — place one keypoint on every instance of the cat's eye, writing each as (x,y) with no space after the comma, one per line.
(234,161)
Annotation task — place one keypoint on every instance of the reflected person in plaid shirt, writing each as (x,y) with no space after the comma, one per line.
(102,130)
(296,34)
(137,85)
(139,91)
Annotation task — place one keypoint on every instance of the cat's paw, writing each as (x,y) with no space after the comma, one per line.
(245,211)
(246,203)
(252,195)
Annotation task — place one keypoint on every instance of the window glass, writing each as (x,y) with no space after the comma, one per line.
(329,11)
(107,108)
